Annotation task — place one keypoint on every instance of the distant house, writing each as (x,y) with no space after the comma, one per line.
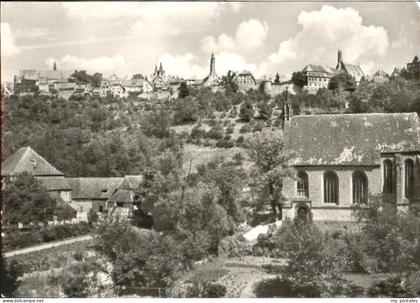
(317,76)
(340,159)
(379,77)
(27,160)
(122,199)
(65,89)
(91,193)
(245,81)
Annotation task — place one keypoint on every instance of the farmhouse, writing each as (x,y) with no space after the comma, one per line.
(27,160)
(341,159)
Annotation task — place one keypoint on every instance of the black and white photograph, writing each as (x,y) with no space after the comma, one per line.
(254,149)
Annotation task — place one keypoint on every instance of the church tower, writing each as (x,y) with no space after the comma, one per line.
(212,65)
(339,59)
(54,66)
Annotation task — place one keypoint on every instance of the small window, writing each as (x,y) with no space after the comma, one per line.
(104,190)
(101,209)
(302,185)
(120,204)
(330,188)
(388,169)
(409,178)
(360,188)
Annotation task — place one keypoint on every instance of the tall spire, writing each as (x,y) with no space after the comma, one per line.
(212,65)
(54,66)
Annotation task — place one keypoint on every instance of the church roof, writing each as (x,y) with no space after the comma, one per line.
(354,70)
(351,139)
(26,159)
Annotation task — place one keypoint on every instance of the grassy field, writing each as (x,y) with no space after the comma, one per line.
(203,154)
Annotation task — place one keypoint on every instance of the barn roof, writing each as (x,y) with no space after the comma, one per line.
(93,188)
(351,139)
(25,159)
(126,189)
(55,183)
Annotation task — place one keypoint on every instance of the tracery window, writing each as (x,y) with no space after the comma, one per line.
(330,187)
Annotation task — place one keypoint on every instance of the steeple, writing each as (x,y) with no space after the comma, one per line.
(161,71)
(54,66)
(212,65)
(339,59)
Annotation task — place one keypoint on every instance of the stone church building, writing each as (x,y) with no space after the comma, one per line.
(341,159)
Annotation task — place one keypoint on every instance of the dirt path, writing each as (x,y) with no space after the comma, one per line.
(46,245)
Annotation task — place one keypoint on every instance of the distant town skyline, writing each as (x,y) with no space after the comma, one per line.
(264,38)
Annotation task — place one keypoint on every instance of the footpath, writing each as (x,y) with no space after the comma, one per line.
(46,245)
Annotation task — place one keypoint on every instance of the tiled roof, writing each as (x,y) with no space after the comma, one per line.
(131,182)
(122,195)
(26,159)
(318,68)
(93,188)
(126,189)
(354,70)
(353,139)
(55,183)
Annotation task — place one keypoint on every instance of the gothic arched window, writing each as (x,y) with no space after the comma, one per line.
(360,187)
(302,184)
(330,187)
(388,168)
(409,178)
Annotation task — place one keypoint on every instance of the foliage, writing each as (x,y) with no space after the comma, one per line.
(205,290)
(390,240)
(49,258)
(27,201)
(342,81)
(270,168)
(246,128)
(392,287)
(9,273)
(185,110)
(246,112)
(92,216)
(16,238)
(183,90)
(228,82)
(157,123)
(277,79)
(299,79)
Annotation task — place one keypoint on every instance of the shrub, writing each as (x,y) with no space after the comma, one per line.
(282,288)
(213,290)
(230,129)
(258,127)
(240,141)
(223,143)
(246,128)
(391,287)
(215,133)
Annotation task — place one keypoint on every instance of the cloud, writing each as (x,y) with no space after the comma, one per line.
(325,31)
(250,36)
(156,17)
(35,32)
(183,65)
(186,65)
(8,43)
(99,64)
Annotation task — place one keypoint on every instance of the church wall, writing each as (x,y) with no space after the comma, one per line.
(331,211)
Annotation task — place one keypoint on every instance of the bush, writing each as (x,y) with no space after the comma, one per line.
(246,128)
(258,127)
(223,143)
(391,288)
(240,141)
(213,290)
(215,133)
(230,129)
(282,288)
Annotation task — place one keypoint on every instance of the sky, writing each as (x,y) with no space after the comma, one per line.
(265,38)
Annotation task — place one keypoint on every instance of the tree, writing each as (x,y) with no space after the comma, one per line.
(183,90)
(246,111)
(299,79)
(137,76)
(277,79)
(80,76)
(270,168)
(228,82)
(96,80)
(9,273)
(157,123)
(390,240)
(185,110)
(27,201)
(342,81)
